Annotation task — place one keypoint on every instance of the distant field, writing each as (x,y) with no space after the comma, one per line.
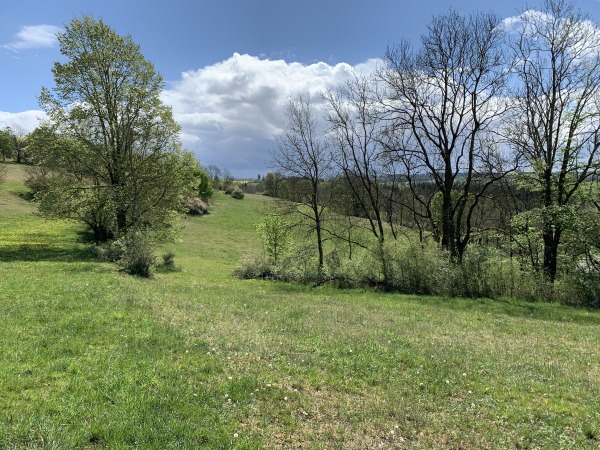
(94,358)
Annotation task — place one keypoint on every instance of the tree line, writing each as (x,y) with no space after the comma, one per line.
(483,132)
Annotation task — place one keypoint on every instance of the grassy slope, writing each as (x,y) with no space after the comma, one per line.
(196,359)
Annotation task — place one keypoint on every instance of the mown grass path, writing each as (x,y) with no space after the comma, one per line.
(93,358)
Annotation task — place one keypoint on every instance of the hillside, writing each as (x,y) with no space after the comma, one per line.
(94,358)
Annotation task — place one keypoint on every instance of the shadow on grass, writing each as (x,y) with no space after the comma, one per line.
(46,252)
(545,311)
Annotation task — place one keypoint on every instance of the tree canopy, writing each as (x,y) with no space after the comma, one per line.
(121,166)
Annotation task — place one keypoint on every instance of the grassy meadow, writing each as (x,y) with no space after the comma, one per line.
(195,358)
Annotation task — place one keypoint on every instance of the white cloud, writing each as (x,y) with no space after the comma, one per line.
(34,36)
(27,120)
(231,112)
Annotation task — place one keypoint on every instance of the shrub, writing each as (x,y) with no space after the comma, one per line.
(410,268)
(36,181)
(253,267)
(138,256)
(581,288)
(112,251)
(413,268)
(274,232)
(479,274)
(194,206)
(169,260)
(300,264)
(237,193)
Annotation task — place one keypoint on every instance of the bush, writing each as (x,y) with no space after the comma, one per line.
(580,288)
(253,267)
(138,256)
(169,260)
(36,181)
(480,274)
(112,251)
(410,268)
(194,206)
(237,193)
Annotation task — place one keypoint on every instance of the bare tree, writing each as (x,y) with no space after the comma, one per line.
(557,127)
(355,128)
(442,104)
(302,155)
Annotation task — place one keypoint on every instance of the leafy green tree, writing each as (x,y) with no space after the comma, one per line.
(274,232)
(557,125)
(6,144)
(122,162)
(273,183)
(19,142)
(204,185)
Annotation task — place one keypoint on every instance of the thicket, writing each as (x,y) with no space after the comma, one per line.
(408,266)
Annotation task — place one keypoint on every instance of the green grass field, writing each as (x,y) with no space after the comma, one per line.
(94,358)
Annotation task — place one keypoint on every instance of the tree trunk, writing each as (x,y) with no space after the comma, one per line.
(448,238)
(551,241)
(319,238)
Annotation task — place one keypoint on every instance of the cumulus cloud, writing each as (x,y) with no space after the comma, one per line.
(231,112)
(581,36)
(27,120)
(34,36)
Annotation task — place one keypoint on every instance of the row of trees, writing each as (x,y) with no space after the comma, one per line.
(482,129)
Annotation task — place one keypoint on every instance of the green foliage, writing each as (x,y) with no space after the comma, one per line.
(111,151)
(138,254)
(200,183)
(271,185)
(205,188)
(253,266)
(274,233)
(6,145)
(237,193)
(168,261)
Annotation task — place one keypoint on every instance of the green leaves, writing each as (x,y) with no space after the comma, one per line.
(274,232)
(110,137)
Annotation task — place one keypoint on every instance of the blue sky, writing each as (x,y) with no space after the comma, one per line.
(228,65)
